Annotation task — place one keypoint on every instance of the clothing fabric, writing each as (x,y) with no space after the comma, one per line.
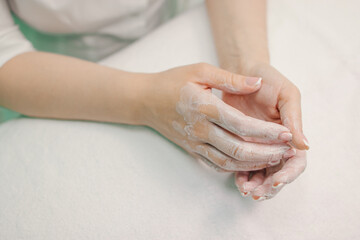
(87,29)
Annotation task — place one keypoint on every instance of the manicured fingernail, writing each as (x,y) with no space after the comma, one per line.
(277,185)
(289,153)
(258,198)
(244,194)
(306,142)
(285,136)
(274,162)
(253,81)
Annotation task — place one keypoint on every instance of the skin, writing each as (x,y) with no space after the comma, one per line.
(239,29)
(54,86)
(206,126)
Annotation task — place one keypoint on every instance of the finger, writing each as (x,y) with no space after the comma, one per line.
(289,106)
(235,147)
(274,182)
(238,123)
(229,82)
(291,169)
(241,177)
(209,163)
(276,168)
(195,100)
(225,162)
(256,180)
(264,190)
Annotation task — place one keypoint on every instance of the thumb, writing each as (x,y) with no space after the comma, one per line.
(226,81)
(289,106)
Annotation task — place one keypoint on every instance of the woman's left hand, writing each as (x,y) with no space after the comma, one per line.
(278,100)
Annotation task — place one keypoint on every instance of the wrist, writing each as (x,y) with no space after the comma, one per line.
(244,65)
(140,97)
(126,98)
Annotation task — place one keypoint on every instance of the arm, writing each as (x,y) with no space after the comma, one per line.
(54,86)
(176,102)
(239,29)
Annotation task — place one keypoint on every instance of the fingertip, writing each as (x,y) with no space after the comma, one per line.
(240,179)
(277,184)
(244,194)
(300,142)
(258,198)
(280,177)
(306,143)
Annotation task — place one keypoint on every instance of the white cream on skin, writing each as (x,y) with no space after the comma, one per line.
(201,110)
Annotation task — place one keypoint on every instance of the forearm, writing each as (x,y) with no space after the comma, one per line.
(54,86)
(239,29)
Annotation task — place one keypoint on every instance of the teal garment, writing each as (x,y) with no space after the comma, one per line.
(6,114)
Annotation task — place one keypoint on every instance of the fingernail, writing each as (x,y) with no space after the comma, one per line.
(289,153)
(244,194)
(253,81)
(277,185)
(258,198)
(306,142)
(274,162)
(285,136)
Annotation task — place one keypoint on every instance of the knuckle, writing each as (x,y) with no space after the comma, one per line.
(189,129)
(237,152)
(199,131)
(231,79)
(230,164)
(223,163)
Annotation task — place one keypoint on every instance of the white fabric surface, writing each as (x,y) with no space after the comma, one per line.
(88,29)
(80,180)
(12,42)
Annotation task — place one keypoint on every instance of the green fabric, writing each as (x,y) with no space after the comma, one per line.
(6,114)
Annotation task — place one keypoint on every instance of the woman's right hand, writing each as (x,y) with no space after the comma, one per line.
(180,105)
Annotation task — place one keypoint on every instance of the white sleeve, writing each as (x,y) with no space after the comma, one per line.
(12,42)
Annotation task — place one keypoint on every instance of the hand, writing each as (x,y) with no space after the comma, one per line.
(181,106)
(266,183)
(278,101)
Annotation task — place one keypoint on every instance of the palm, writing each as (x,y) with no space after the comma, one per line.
(262,104)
